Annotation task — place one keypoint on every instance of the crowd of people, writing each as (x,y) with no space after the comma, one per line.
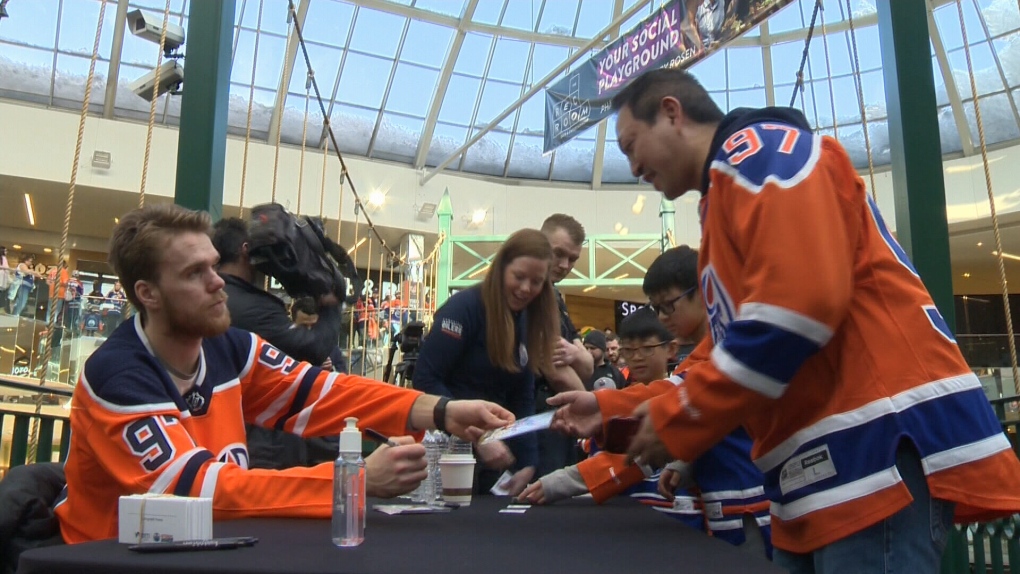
(794,390)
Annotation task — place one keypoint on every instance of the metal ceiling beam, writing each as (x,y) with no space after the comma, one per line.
(766,64)
(537,87)
(959,116)
(441,85)
(113,75)
(600,138)
(289,56)
(454,22)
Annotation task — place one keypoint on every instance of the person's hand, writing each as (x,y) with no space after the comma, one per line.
(566,353)
(495,454)
(469,419)
(533,493)
(669,480)
(520,479)
(645,447)
(327,364)
(394,470)
(578,415)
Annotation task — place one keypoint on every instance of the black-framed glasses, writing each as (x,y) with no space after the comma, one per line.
(643,351)
(667,307)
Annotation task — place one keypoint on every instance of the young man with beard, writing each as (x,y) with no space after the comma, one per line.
(161,405)
(868,424)
(573,365)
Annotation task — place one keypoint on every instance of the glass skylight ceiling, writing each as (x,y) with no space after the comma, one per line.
(411,81)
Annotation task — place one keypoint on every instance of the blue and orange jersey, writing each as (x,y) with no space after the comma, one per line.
(132,432)
(826,345)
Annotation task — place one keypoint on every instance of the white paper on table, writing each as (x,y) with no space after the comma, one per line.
(526,425)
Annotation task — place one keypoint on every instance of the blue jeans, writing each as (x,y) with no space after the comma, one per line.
(21,299)
(910,541)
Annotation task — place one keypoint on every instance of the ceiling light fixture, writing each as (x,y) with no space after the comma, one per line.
(966,275)
(622,276)
(16,246)
(30,209)
(376,198)
(1007,255)
(588,289)
(47,250)
(980,243)
(478,216)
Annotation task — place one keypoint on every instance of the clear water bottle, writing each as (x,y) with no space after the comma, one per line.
(459,446)
(349,489)
(435,445)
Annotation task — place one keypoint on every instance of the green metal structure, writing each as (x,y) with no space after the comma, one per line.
(202,141)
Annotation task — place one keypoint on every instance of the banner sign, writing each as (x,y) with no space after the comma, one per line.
(678,34)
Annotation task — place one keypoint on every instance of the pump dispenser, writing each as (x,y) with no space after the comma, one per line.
(349,489)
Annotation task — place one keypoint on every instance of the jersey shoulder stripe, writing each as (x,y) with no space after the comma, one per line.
(768,153)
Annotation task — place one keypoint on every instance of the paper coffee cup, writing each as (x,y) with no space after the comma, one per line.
(458,475)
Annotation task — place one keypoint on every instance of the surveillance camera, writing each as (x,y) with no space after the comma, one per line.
(171,74)
(150,28)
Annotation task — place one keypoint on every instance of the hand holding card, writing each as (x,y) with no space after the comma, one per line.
(526,425)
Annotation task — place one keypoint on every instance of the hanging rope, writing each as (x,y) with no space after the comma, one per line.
(991,202)
(322,188)
(291,21)
(304,135)
(152,105)
(859,82)
(251,100)
(33,445)
(828,75)
(344,172)
(799,86)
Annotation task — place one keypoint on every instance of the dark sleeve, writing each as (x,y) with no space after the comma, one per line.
(452,327)
(312,345)
(567,328)
(521,402)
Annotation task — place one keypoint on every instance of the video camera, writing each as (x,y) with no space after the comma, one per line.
(297,252)
(408,340)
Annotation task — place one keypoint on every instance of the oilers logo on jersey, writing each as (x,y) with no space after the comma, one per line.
(718,303)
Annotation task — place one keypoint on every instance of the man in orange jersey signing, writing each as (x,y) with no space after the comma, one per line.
(868,425)
(161,406)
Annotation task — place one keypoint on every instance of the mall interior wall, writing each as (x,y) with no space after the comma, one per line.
(39,143)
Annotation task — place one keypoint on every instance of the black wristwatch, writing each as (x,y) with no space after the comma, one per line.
(439,414)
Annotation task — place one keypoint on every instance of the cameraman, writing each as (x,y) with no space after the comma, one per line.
(253,309)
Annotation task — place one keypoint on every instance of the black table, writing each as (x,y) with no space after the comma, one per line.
(572,537)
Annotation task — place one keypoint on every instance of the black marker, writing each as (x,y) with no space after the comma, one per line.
(194,545)
(380,437)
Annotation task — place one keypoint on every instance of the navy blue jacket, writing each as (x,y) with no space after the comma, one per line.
(453,362)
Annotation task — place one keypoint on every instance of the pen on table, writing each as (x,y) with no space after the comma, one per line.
(380,437)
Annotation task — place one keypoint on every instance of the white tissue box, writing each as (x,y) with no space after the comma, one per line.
(163,518)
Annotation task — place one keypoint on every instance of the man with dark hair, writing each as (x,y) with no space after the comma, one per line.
(256,310)
(160,407)
(605,375)
(869,426)
(573,364)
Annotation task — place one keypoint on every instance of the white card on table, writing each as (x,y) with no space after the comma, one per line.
(526,425)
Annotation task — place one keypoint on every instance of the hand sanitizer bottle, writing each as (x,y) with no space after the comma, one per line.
(349,489)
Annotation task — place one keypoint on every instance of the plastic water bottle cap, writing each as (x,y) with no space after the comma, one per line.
(350,438)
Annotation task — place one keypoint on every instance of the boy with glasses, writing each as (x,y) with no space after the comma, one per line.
(732,495)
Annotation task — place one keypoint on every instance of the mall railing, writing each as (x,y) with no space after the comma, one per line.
(18,399)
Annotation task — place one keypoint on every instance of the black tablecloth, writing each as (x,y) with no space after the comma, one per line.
(573,537)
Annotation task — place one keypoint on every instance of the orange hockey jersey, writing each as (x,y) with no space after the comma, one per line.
(132,432)
(827,347)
